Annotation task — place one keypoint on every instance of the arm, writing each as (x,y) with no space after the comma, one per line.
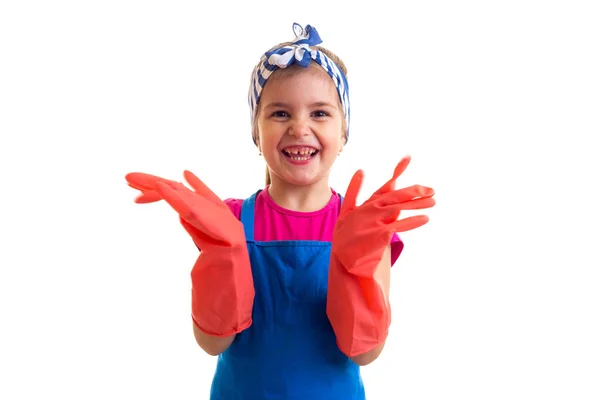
(212,345)
(382,276)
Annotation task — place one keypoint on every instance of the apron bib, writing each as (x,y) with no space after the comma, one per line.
(289,352)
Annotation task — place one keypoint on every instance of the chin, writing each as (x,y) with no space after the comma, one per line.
(302,180)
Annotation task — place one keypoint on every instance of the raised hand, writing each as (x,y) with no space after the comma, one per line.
(203,214)
(357,306)
(147,185)
(222,282)
(203,210)
(362,232)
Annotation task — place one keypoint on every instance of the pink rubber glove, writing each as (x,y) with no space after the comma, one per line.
(357,306)
(222,284)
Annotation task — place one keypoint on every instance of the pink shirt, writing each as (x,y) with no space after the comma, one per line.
(273,222)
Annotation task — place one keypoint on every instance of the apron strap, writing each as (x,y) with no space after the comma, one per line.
(247,216)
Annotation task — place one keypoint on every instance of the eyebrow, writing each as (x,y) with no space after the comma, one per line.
(284,105)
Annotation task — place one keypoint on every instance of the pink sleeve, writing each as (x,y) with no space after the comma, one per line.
(235,205)
(397,247)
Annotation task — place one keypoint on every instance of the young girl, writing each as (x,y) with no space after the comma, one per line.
(291,286)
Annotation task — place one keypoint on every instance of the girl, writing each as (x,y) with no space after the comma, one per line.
(291,286)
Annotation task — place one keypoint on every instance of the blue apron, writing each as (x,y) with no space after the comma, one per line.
(289,352)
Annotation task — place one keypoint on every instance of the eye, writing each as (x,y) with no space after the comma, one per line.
(320,113)
(280,114)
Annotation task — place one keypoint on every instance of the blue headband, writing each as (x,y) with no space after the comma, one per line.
(301,54)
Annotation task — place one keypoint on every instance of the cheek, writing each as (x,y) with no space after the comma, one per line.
(334,142)
(269,142)
(260,135)
(266,131)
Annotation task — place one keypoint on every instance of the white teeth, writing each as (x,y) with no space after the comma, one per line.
(301,151)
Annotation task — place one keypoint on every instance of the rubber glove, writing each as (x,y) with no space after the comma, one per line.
(222,284)
(147,185)
(357,306)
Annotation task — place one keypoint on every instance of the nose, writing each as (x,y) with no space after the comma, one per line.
(299,128)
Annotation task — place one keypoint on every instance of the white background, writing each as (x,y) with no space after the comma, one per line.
(497,102)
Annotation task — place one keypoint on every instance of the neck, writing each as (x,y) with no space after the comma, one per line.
(305,198)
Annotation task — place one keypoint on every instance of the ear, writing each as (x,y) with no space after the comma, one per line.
(258,146)
(342,144)
(256,136)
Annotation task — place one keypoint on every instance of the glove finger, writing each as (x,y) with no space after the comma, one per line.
(202,189)
(418,204)
(389,214)
(352,192)
(153,195)
(419,191)
(142,181)
(150,196)
(146,195)
(406,194)
(399,170)
(410,223)
(136,181)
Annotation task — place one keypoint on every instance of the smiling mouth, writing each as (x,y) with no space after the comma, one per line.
(300,154)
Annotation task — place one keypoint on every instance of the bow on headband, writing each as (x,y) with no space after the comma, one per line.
(300,53)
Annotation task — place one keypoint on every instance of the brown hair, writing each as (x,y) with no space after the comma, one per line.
(290,71)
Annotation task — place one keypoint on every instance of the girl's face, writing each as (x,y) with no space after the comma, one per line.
(300,126)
